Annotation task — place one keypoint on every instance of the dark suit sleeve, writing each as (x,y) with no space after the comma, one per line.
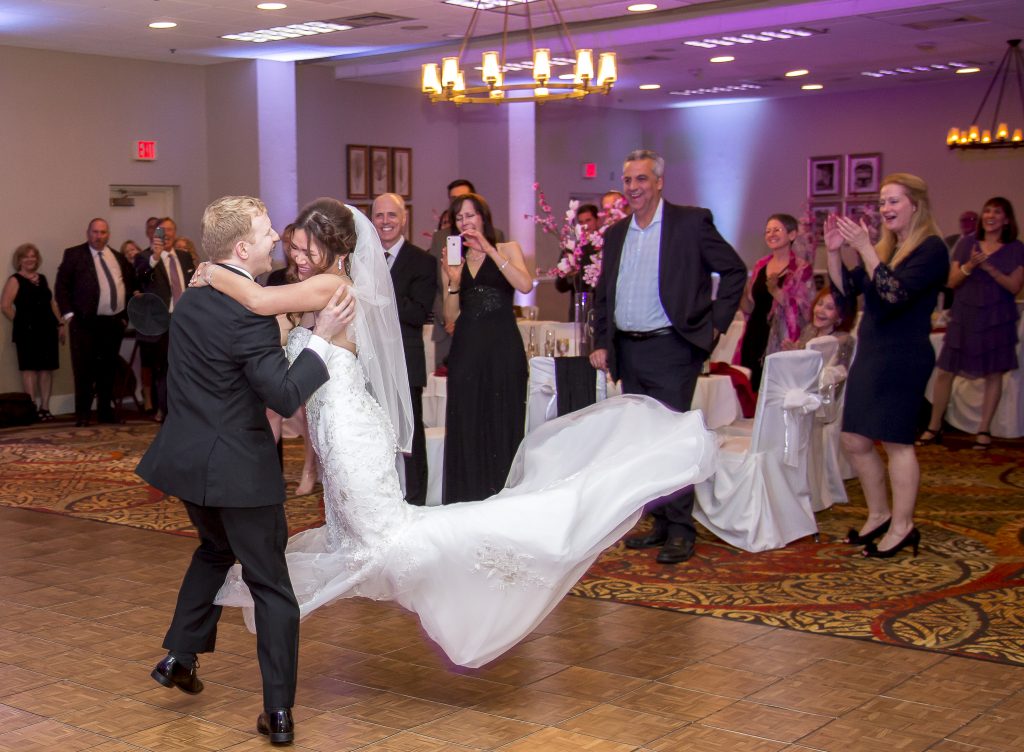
(718,256)
(63,283)
(417,301)
(281,388)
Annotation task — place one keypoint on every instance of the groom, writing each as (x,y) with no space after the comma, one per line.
(215,452)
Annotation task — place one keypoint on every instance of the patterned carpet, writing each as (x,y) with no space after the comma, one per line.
(963,595)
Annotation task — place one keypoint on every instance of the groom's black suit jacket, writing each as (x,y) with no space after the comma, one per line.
(227,366)
(690,250)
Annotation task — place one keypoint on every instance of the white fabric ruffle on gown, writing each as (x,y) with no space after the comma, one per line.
(481,575)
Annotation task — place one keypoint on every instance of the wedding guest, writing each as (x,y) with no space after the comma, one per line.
(130,250)
(186,245)
(981,335)
(487,369)
(614,207)
(827,318)
(92,289)
(27,301)
(777,299)
(655,322)
(899,279)
(968,222)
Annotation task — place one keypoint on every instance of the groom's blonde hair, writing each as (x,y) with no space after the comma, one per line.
(226,221)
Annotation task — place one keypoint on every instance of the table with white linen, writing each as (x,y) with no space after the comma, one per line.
(541,329)
(964,411)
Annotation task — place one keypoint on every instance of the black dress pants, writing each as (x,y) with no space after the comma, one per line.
(416,466)
(95,343)
(256,537)
(666,368)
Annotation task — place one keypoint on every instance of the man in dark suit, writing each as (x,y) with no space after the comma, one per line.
(216,453)
(414,275)
(655,322)
(165,273)
(94,283)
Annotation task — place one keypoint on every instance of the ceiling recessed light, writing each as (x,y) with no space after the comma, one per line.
(650,87)
(968,70)
(812,87)
(722,59)
(641,7)
(272,6)
(797,73)
(291,31)
(162,25)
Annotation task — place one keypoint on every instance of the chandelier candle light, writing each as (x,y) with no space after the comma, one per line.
(976,138)
(447,83)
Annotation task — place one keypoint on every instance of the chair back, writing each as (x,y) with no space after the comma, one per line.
(788,397)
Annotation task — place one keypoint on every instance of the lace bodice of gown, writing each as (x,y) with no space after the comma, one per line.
(365,514)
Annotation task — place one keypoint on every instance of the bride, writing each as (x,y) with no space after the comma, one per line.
(480,576)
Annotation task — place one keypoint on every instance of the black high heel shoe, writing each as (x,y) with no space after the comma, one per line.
(854,538)
(935,438)
(913,539)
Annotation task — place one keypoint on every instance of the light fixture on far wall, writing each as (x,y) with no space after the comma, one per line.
(998,135)
(447,82)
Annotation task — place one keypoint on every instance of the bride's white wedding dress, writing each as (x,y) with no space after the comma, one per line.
(480,575)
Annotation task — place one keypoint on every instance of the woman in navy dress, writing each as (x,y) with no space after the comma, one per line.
(900,279)
(981,339)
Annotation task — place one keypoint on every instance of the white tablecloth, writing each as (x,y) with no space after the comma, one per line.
(964,411)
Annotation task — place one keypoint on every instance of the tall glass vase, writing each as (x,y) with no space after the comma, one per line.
(582,315)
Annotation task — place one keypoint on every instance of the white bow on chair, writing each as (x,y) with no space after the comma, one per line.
(796,402)
(547,390)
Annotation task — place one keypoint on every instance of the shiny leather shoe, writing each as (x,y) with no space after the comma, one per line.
(173,673)
(675,551)
(278,725)
(912,539)
(651,540)
(853,536)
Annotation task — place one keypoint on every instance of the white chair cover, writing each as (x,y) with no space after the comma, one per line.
(542,397)
(729,341)
(759,497)
(824,470)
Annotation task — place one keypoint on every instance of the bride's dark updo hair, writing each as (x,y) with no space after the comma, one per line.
(331,224)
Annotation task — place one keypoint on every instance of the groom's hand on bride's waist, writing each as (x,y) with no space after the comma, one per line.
(336,315)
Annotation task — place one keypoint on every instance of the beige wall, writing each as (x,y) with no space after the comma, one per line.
(66,135)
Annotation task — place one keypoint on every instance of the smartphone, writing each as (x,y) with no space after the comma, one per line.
(158,233)
(454,252)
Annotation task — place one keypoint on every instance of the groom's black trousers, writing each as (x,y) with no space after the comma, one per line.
(256,537)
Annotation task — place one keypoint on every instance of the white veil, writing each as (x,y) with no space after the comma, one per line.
(378,334)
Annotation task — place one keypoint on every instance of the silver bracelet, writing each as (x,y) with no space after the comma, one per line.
(502,267)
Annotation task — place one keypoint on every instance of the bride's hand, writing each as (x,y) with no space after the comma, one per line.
(201,276)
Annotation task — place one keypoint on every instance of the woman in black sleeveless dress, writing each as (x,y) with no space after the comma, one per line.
(28,303)
(900,279)
(487,368)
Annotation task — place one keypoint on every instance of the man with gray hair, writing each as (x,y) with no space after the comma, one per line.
(216,453)
(655,321)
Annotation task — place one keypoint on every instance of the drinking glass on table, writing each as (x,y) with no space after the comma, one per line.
(549,344)
(563,346)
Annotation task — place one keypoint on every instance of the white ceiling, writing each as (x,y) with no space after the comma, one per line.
(855,36)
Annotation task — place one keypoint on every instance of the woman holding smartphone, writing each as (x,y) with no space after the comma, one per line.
(487,369)
(778,299)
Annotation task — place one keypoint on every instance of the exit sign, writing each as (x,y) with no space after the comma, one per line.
(589,170)
(145,151)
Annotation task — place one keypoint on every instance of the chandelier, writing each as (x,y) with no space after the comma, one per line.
(975,138)
(447,83)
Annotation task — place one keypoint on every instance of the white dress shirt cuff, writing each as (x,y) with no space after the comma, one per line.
(319,345)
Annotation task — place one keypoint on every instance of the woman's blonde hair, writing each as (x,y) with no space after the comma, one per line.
(922,223)
(21,252)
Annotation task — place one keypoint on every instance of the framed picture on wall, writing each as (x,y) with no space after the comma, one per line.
(356,158)
(863,171)
(401,172)
(820,212)
(866,209)
(824,176)
(380,170)
(408,222)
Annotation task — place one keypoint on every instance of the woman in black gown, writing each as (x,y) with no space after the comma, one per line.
(900,279)
(28,302)
(487,369)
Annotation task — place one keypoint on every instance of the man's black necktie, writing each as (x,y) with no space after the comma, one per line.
(110,281)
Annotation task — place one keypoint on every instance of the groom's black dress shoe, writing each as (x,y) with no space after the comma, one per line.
(651,540)
(278,725)
(675,551)
(173,673)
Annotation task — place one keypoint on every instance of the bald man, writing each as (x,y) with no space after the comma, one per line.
(414,275)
